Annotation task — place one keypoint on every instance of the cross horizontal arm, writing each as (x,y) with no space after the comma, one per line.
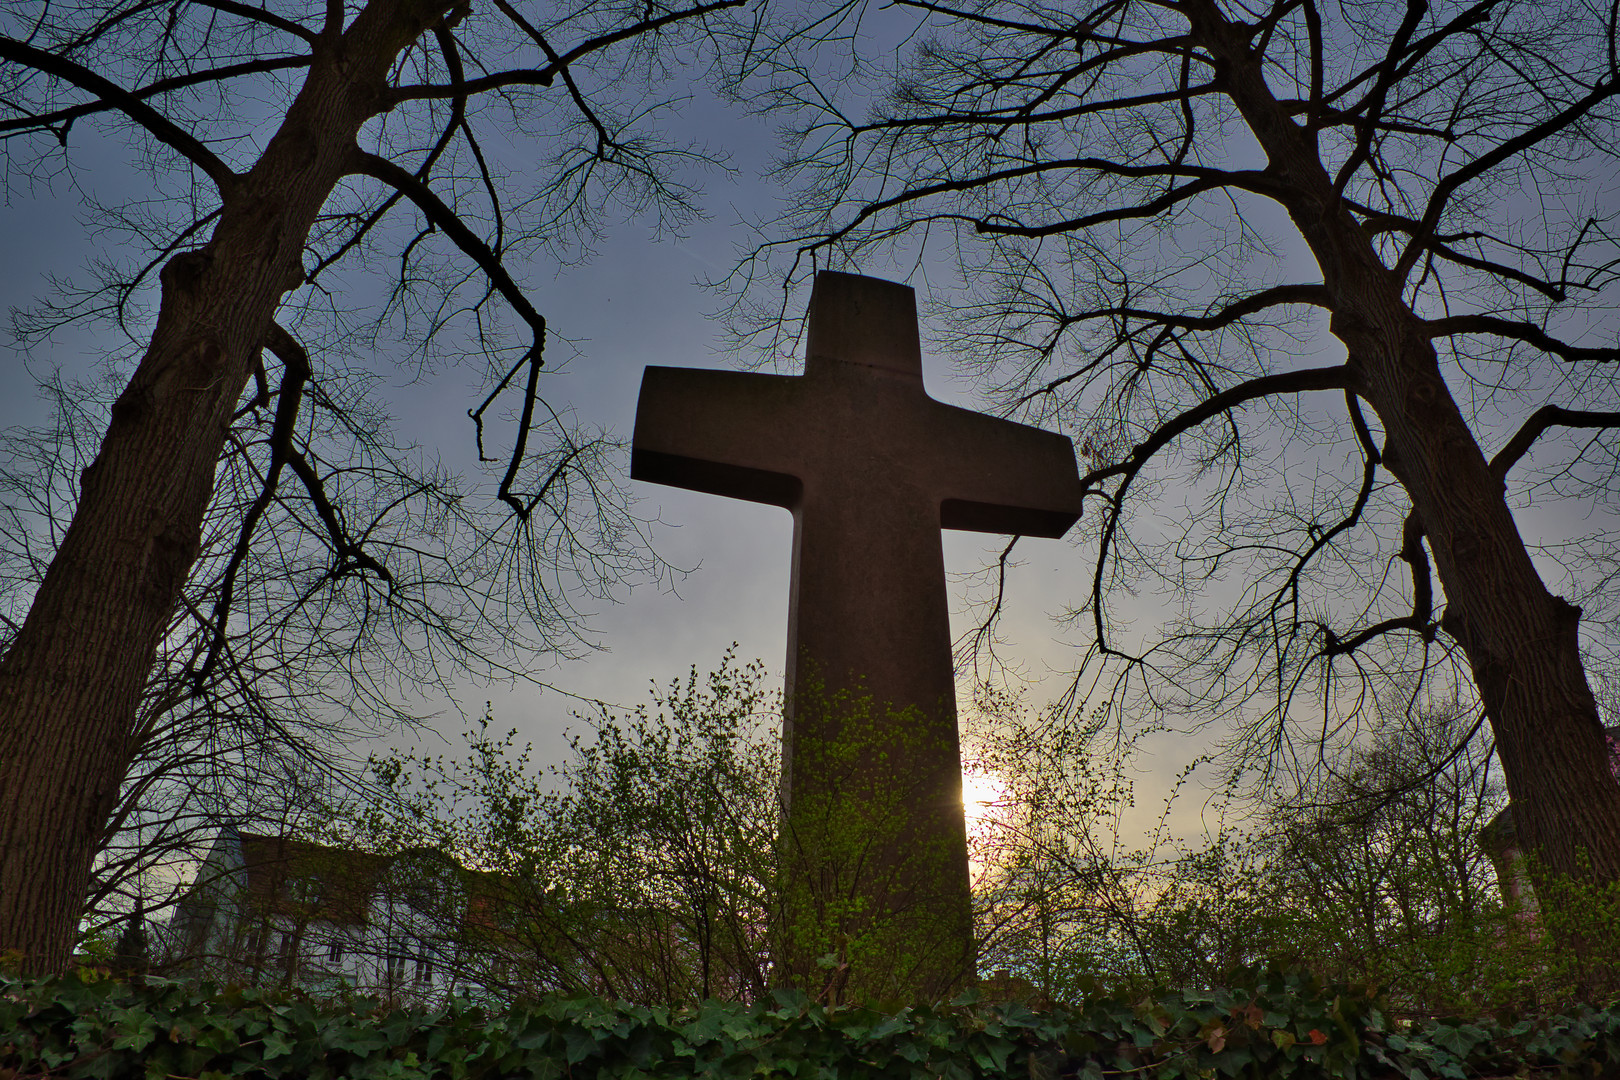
(722,432)
(1004,477)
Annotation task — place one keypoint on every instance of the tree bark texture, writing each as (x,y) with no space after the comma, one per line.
(1521,641)
(70,683)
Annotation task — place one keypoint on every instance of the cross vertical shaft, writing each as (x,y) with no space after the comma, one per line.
(874,845)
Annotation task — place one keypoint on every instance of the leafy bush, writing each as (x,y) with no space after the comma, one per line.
(1267,1025)
(641,868)
(1371,872)
(646,867)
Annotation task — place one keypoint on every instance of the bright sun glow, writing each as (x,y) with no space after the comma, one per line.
(983,794)
(981,791)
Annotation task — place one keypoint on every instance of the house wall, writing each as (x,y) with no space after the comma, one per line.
(270,922)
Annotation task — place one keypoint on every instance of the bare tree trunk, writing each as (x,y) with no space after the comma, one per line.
(1521,641)
(71,680)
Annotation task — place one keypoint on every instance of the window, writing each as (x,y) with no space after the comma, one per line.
(334,951)
(289,947)
(424,969)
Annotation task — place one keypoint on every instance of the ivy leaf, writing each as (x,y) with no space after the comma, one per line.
(709,1024)
(1459,1040)
(277,1044)
(579,1045)
(136,1029)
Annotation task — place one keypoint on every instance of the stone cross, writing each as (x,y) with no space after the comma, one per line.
(872,468)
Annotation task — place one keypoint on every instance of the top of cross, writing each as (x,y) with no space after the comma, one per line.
(866,321)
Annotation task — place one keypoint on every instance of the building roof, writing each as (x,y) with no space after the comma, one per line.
(302,878)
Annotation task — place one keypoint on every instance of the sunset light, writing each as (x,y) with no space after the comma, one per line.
(981,792)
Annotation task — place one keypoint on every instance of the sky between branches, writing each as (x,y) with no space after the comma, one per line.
(637,302)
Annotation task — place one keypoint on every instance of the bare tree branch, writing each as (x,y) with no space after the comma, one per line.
(66,116)
(1543,418)
(1529,333)
(162,128)
(544,76)
(261,15)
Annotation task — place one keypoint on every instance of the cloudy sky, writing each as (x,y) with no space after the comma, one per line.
(637,302)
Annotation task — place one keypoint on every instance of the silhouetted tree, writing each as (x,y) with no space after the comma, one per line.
(291,144)
(1308,262)
(1381,865)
